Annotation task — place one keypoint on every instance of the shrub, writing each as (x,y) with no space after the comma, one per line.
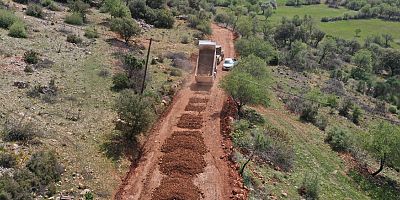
(309,188)
(72,38)
(74,19)
(20,185)
(7,160)
(45,166)
(252,116)
(393,109)
(18,30)
(176,72)
(89,196)
(356,116)
(339,139)
(19,131)
(185,40)
(53,7)
(34,10)
(104,73)
(126,27)
(309,112)
(46,3)
(91,32)
(31,57)
(321,122)
(120,81)
(28,69)
(346,106)
(7,18)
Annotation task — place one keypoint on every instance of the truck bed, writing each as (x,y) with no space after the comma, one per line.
(206,62)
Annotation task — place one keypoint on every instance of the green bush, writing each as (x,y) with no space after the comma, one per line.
(19,131)
(345,107)
(31,57)
(7,18)
(175,72)
(321,122)
(74,19)
(18,30)
(309,188)
(252,116)
(356,115)
(45,166)
(185,39)
(7,160)
(72,38)
(46,3)
(91,32)
(20,186)
(120,81)
(53,7)
(309,112)
(393,109)
(34,10)
(339,139)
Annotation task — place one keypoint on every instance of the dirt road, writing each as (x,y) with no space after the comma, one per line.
(184,157)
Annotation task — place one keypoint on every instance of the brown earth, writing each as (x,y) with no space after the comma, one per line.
(168,169)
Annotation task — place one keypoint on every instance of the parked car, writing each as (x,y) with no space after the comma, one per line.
(229,63)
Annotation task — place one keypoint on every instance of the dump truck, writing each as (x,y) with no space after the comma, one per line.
(220,54)
(206,68)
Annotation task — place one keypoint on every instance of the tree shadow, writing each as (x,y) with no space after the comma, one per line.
(117,146)
(378,187)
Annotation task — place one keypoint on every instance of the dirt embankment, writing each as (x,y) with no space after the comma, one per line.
(188,155)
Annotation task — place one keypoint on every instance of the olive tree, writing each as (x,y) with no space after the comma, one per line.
(383,143)
(244,89)
(125,27)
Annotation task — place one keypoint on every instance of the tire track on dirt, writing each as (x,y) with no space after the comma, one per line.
(185,155)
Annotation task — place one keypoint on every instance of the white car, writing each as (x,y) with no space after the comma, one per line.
(229,63)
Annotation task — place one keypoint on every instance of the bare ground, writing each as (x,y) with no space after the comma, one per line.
(180,173)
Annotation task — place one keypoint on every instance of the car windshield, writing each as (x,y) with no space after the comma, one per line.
(228,61)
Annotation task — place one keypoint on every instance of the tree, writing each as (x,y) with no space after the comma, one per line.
(137,8)
(244,26)
(125,27)
(120,10)
(223,18)
(135,112)
(256,67)
(388,38)
(327,51)
(383,143)
(156,4)
(256,46)
(243,88)
(357,31)
(80,7)
(363,60)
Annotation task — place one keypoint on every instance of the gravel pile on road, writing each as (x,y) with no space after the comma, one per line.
(182,161)
(190,121)
(177,189)
(196,108)
(198,100)
(190,140)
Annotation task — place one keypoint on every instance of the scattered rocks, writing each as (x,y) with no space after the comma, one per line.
(21,84)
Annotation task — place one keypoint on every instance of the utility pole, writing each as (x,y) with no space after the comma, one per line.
(145,69)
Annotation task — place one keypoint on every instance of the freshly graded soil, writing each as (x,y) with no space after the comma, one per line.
(196,108)
(190,121)
(176,188)
(182,161)
(191,140)
(198,100)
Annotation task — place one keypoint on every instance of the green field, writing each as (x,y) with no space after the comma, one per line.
(316,11)
(343,29)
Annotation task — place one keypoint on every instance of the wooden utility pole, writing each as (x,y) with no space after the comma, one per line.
(145,68)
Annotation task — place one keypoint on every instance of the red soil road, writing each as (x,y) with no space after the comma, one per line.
(216,181)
